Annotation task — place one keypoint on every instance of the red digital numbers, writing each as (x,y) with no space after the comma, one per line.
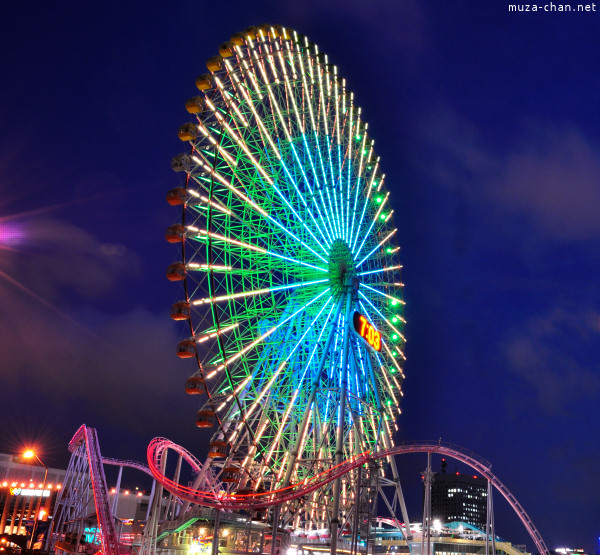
(367,331)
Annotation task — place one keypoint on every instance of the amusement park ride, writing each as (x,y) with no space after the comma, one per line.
(293,299)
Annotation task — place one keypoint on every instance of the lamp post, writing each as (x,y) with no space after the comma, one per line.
(29,454)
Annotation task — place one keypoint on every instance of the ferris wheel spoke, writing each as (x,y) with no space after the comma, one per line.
(211,334)
(252,293)
(289,91)
(375,408)
(278,154)
(260,339)
(381,293)
(372,224)
(333,187)
(229,101)
(259,66)
(376,247)
(322,107)
(308,151)
(268,54)
(349,186)
(262,211)
(360,185)
(306,87)
(384,318)
(253,248)
(366,378)
(300,219)
(264,133)
(298,384)
(381,270)
(325,236)
(248,74)
(238,141)
(392,382)
(324,185)
(392,357)
(228,185)
(288,137)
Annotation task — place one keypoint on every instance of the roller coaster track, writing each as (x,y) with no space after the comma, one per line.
(87,438)
(158,448)
(130,464)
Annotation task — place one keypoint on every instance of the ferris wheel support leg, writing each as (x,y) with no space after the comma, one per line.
(396,477)
(215,545)
(339,451)
(356,511)
(313,392)
(274,530)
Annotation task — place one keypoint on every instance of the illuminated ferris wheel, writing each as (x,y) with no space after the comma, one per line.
(290,267)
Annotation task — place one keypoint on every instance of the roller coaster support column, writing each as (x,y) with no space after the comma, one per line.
(171,505)
(489,521)
(339,451)
(115,502)
(148,546)
(151,501)
(426,527)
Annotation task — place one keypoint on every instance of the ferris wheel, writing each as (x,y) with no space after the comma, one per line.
(289,264)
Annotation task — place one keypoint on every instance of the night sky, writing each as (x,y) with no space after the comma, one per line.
(488,127)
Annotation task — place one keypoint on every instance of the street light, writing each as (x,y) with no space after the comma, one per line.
(29,454)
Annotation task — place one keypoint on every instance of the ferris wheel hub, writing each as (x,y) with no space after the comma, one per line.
(342,267)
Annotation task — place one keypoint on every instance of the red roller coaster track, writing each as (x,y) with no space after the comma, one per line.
(88,436)
(159,446)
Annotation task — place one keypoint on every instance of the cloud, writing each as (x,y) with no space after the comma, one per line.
(549,175)
(53,344)
(122,371)
(557,355)
(70,353)
(58,258)
(555,178)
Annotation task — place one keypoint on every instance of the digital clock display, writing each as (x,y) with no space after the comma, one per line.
(367,331)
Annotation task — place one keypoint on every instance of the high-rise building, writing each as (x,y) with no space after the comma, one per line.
(459,497)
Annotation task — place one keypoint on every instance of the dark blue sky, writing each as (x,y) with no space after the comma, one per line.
(488,127)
